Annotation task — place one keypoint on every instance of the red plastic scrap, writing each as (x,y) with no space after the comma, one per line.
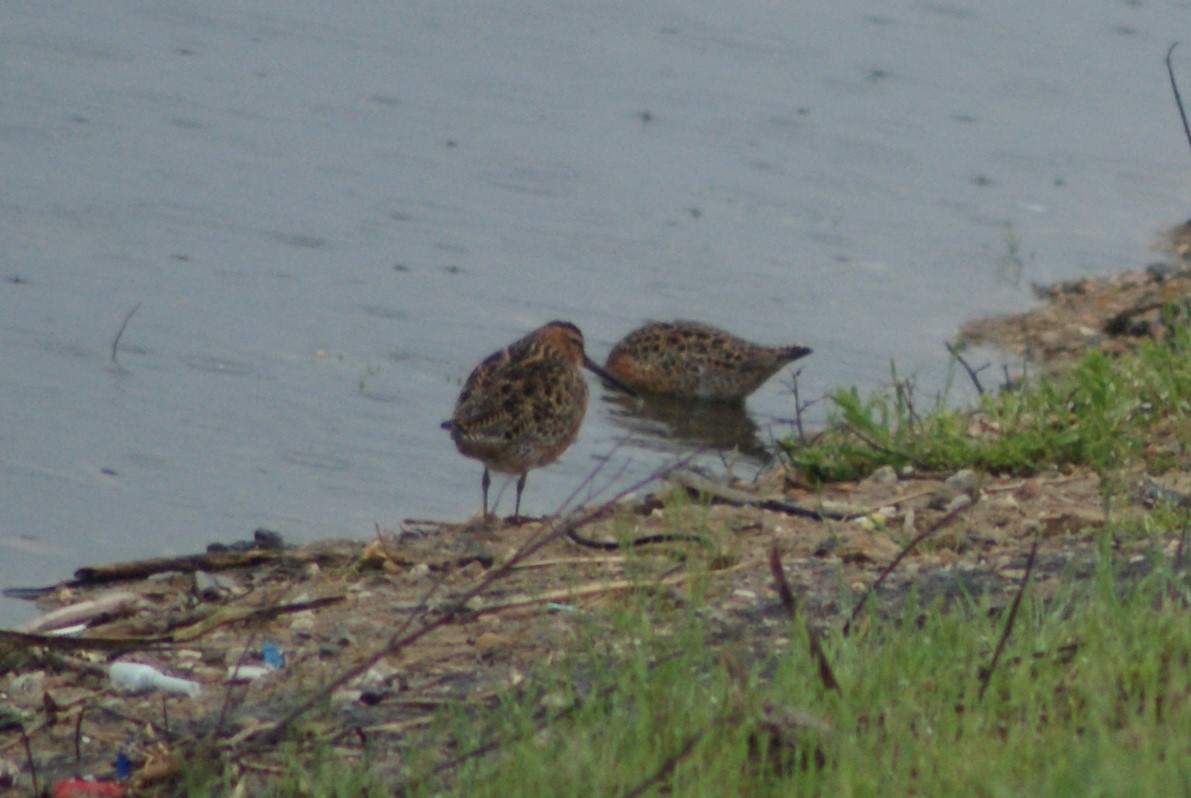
(85,788)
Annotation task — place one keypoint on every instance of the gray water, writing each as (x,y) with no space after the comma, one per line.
(329,212)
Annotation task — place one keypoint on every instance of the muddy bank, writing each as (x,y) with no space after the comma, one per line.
(1114,313)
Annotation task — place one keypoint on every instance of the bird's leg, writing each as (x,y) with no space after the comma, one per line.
(484,483)
(520,487)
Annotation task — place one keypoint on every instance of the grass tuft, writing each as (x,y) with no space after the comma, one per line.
(1100,413)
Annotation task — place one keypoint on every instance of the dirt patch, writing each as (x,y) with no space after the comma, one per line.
(328,607)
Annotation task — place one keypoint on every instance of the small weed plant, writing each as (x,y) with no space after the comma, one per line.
(1100,413)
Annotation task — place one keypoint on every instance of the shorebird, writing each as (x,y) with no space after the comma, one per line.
(522,406)
(690,360)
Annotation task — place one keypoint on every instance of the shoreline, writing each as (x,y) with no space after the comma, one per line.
(326,606)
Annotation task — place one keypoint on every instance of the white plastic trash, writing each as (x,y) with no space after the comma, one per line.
(139,676)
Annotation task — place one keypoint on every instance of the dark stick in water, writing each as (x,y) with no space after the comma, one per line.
(1177,97)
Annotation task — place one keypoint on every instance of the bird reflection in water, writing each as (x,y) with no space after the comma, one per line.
(680,425)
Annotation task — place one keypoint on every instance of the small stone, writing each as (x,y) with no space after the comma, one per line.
(239,674)
(953,538)
(1070,522)
(885,475)
(212,586)
(347,696)
(961,483)
(26,690)
(867,546)
(372,696)
(957,502)
(302,624)
(487,640)
(213,656)
(268,539)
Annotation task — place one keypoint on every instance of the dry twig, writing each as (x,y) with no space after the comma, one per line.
(986,673)
(668,766)
(826,674)
(901,555)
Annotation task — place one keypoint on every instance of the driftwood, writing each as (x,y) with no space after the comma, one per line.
(111,603)
(207,561)
(10,640)
(228,615)
(193,631)
(720,493)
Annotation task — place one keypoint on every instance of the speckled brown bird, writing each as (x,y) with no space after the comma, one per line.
(690,360)
(522,406)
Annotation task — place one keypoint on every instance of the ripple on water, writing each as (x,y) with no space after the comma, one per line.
(534,178)
(217,365)
(317,460)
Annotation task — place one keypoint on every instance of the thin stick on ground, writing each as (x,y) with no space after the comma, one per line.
(120,332)
(29,760)
(78,738)
(1180,550)
(227,694)
(986,673)
(667,767)
(826,674)
(901,555)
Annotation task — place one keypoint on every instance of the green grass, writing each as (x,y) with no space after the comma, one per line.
(1100,413)
(1092,697)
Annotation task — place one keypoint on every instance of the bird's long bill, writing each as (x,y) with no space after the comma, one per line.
(797,352)
(591,366)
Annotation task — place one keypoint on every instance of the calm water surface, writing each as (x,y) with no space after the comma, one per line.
(330,211)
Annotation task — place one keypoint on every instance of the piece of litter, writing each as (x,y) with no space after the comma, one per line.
(82,788)
(271,655)
(139,676)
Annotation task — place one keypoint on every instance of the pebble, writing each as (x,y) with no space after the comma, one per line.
(961,483)
(885,475)
(26,689)
(239,674)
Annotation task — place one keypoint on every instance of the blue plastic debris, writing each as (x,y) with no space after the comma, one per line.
(271,655)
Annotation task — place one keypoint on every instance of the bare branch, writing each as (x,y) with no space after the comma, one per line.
(901,555)
(973,374)
(986,673)
(826,674)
